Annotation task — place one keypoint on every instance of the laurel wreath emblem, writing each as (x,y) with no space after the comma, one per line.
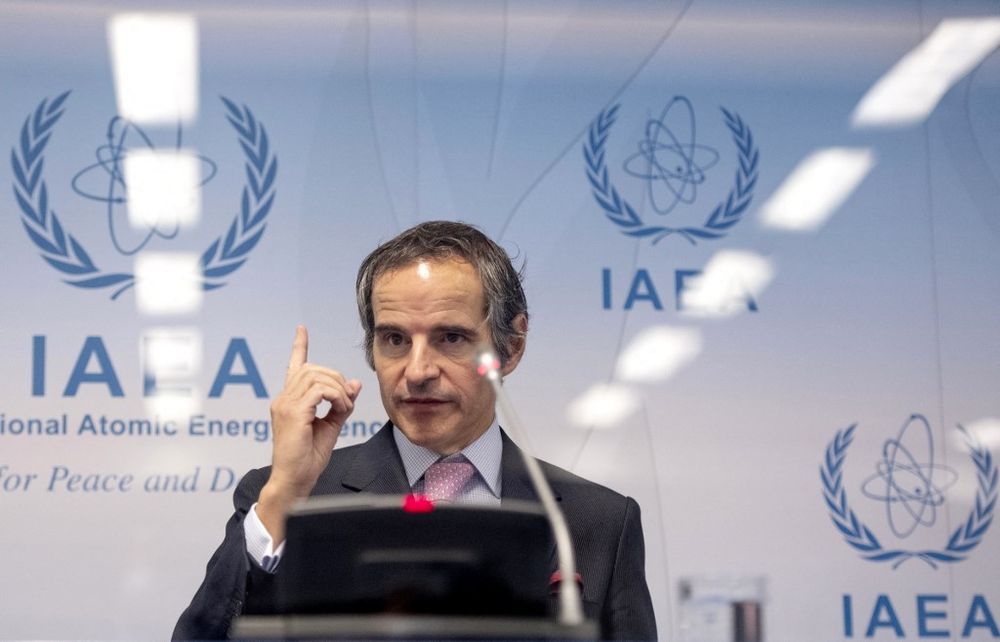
(725,215)
(965,538)
(61,249)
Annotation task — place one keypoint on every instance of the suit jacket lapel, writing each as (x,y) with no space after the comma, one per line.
(377,468)
(516,484)
(514,481)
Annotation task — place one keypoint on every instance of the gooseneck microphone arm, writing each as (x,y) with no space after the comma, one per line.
(570,603)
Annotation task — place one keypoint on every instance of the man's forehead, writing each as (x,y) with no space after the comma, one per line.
(432,283)
(456,268)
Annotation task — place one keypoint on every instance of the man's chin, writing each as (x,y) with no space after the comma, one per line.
(422,425)
(425,434)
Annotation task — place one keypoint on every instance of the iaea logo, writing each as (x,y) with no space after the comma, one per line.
(672,165)
(911,487)
(81,267)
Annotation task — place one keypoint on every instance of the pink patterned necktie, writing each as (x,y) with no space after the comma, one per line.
(446,478)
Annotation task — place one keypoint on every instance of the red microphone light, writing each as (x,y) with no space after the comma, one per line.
(417,504)
(556,580)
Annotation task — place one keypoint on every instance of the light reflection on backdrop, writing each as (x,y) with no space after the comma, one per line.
(155,62)
(154,58)
(168,283)
(603,405)
(163,189)
(986,430)
(910,91)
(815,189)
(171,360)
(727,282)
(653,356)
(657,353)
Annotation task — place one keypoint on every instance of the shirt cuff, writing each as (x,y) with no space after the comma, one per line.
(260,546)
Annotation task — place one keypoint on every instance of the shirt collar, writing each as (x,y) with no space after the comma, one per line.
(484,454)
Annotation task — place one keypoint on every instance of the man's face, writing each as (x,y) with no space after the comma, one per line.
(429,322)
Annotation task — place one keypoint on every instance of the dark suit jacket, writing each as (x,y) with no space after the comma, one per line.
(605,527)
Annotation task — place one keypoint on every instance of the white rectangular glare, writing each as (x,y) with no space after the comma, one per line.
(658,352)
(816,188)
(730,280)
(163,189)
(603,405)
(986,431)
(172,406)
(168,283)
(155,63)
(171,356)
(171,360)
(910,91)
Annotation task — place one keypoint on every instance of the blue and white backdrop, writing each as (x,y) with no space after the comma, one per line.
(761,256)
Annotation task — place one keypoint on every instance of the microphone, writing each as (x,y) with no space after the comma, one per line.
(570,602)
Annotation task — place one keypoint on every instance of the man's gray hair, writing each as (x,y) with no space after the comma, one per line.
(442,240)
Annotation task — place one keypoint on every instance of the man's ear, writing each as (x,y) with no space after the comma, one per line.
(517,345)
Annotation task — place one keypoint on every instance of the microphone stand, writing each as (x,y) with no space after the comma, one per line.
(570,602)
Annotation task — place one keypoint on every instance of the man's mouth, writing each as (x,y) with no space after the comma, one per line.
(424,401)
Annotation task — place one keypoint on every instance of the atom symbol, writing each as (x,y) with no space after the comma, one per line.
(110,160)
(908,488)
(672,169)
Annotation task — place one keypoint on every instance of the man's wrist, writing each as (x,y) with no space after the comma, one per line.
(272,508)
(260,545)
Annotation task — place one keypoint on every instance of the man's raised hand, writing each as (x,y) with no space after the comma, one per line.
(302,441)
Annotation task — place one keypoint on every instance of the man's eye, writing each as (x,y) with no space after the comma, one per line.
(454,337)
(393,339)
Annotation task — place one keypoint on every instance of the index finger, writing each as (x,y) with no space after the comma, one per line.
(300,350)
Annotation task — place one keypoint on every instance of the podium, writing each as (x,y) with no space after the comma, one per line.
(406,627)
(387,567)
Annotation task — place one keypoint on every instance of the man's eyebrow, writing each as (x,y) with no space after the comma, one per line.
(455,329)
(471,331)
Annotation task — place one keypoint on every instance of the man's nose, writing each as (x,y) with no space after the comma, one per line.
(421,366)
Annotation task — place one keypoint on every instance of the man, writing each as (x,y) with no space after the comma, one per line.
(427,299)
